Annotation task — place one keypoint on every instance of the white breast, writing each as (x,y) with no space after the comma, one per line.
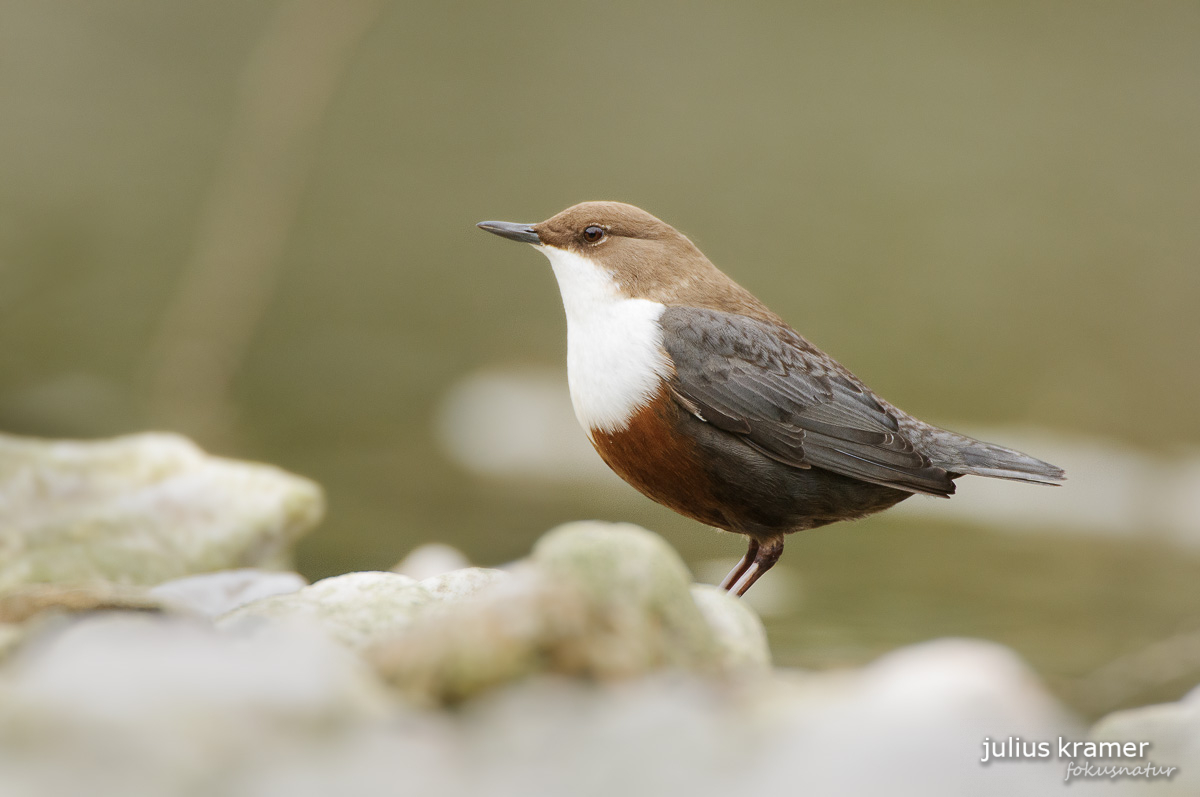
(615,356)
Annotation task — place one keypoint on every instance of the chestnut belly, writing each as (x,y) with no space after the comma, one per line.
(712,476)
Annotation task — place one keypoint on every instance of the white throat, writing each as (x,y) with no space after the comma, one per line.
(615,356)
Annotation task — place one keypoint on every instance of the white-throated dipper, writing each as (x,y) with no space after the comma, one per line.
(707,402)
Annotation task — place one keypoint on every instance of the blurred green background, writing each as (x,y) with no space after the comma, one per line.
(252,223)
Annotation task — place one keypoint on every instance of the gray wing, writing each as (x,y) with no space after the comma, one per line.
(790,401)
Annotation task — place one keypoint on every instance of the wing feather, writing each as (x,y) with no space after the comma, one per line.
(789,401)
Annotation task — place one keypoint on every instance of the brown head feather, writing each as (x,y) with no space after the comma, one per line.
(649,258)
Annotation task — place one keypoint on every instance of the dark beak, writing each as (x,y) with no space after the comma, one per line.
(515,232)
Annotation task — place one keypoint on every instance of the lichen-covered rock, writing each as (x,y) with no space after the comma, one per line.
(515,628)
(458,584)
(357,609)
(213,594)
(741,638)
(598,600)
(141,510)
(638,590)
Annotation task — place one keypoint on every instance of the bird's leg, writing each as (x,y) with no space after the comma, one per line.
(766,554)
(741,566)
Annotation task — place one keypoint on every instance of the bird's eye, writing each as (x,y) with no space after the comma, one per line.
(593,234)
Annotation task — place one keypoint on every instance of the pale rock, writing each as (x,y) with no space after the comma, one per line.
(1173,730)
(913,723)
(140,704)
(594,667)
(595,600)
(22,604)
(357,609)
(520,626)
(458,584)
(122,668)
(431,559)
(137,705)
(741,638)
(213,594)
(638,591)
(141,509)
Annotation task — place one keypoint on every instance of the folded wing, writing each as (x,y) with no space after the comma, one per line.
(790,401)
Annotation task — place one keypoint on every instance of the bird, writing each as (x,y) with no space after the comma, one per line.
(709,403)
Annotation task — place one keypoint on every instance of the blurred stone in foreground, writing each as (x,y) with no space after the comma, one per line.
(139,704)
(1173,730)
(141,510)
(594,667)
(136,704)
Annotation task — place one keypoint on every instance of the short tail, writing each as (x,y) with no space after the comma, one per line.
(960,454)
